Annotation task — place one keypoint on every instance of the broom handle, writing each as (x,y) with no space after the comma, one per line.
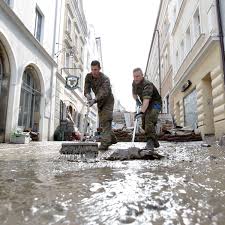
(136,121)
(86,119)
(135,125)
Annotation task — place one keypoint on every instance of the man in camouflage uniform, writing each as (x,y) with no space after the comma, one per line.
(100,85)
(151,104)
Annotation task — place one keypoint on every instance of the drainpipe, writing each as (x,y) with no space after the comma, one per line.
(53,80)
(159,55)
(221,35)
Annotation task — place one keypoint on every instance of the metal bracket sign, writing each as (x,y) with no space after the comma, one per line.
(72,82)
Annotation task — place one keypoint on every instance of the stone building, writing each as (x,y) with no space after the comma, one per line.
(72,41)
(197,97)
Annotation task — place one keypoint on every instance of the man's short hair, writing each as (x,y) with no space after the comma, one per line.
(137,70)
(95,63)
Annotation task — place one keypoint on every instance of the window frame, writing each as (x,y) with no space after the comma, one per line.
(38,13)
(197,23)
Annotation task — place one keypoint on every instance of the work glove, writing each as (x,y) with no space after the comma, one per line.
(88,96)
(138,102)
(91,102)
(139,115)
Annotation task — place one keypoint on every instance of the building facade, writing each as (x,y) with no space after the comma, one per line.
(198,92)
(159,67)
(197,95)
(27,67)
(92,52)
(71,104)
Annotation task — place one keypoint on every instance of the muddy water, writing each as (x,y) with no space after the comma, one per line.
(38,187)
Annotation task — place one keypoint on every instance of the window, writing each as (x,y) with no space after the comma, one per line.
(30,98)
(177,61)
(8,2)
(174,13)
(38,25)
(188,40)
(69,25)
(197,25)
(182,50)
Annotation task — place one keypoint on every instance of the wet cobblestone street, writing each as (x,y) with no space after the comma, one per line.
(37,186)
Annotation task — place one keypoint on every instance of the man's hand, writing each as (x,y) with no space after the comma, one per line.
(139,115)
(88,96)
(138,102)
(91,102)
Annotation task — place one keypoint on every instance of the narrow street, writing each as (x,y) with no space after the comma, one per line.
(38,186)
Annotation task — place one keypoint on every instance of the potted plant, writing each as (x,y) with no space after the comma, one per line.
(19,137)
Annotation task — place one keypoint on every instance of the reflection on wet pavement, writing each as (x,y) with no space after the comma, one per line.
(39,187)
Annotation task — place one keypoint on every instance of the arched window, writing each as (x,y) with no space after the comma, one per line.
(30,98)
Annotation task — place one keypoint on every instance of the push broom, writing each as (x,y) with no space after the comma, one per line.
(81,149)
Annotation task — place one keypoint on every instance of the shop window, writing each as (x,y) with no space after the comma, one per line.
(190,110)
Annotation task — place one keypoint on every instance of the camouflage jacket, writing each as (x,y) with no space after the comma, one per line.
(147,90)
(100,86)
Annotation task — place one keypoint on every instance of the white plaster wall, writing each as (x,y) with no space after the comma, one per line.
(23,52)
(25,10)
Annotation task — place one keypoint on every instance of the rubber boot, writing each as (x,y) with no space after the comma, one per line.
(103,147)
(150,145)
(156,144)
(114,140)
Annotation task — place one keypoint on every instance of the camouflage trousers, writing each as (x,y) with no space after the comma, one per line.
(149,121)
(105,121)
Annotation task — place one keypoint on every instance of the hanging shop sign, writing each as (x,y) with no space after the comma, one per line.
(72,82)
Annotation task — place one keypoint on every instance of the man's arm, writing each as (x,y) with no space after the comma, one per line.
(147,95)
(135,97)
(104,91)
(145,105)
(87,87)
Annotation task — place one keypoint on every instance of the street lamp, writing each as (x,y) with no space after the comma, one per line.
(219,6)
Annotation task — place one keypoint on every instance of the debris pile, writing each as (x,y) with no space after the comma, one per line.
(179,134)
(174,135)
(165,123)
